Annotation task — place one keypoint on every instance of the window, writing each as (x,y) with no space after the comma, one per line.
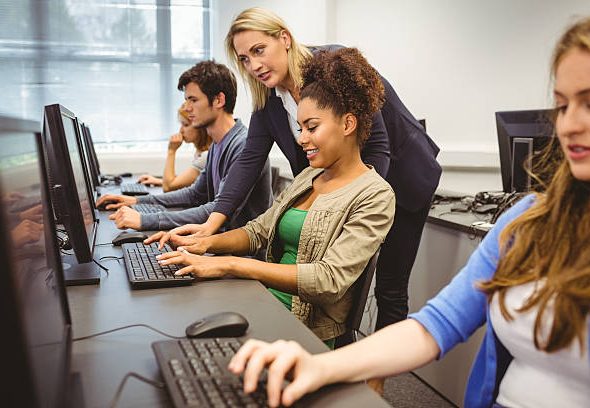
(114,63)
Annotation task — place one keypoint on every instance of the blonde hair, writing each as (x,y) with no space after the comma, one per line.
(182,113)
(549,241)
(266,22)
(577,36)
(203,141)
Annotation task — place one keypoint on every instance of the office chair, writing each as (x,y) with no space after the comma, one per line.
(361,292)
(275,175)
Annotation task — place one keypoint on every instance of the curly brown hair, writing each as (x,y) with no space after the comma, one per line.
(344,82)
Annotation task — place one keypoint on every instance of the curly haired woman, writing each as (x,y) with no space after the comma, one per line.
(270,59)
(322,230)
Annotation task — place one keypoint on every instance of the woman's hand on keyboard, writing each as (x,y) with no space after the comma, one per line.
(199,266)
(282,358)
(184,235)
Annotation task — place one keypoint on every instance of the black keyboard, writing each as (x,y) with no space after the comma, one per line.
(196,374)
(143,270)
(133,189)
(149,208)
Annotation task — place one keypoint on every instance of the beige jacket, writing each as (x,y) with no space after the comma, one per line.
(341,232)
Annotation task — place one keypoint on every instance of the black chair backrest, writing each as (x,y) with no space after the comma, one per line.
(361,292)
(361,289)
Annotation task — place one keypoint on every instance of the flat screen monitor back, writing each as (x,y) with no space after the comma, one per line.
(71,193)
(36,340)
(514,129)
(66,167)
(94,164)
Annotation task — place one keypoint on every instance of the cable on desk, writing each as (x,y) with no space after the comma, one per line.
(128,327)
(140,377)
(104,244)
(110,257)
(104,268)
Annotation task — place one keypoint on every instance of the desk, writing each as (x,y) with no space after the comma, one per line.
(104,360)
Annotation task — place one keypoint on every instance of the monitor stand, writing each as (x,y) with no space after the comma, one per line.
(76,274)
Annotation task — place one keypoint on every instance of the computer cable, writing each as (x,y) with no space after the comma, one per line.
(111,258)
(104,268)
(103,244)
(508,202)
(154,383)
(128,327)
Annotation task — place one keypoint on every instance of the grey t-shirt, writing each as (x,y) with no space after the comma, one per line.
(200,160)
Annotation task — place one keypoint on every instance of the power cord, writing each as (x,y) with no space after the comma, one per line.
(137,376)
(128,327)
(111,258)
(154,383)
(104,268)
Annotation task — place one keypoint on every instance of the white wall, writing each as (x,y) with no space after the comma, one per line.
(457,62)
(454,63)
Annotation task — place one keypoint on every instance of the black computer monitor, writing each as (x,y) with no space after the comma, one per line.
(71,189)
(36,336)
(92,180)
(94,166)
(521,136)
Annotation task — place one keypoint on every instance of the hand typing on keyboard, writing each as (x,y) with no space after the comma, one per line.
(188,235)
(126,217)
(282,358)
(197,265)
(114,201)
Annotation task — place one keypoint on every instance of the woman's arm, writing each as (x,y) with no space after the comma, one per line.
(398,348)
(246,169)
(169,166)
(326,280)
(184,179)
(277,276)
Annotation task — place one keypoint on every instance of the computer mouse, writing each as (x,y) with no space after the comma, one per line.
(125,174)
(224,324)
(126,237)
(103,205)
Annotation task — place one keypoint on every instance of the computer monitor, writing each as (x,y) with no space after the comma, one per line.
(71,192)
(90,156)
(521,135)
(92,179)
(36,337)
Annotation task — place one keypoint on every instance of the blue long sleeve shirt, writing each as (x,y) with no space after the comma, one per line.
(461,308)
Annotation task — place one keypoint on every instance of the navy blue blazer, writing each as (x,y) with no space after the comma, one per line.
(398,148)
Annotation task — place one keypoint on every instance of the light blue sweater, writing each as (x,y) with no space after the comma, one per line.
(460,309)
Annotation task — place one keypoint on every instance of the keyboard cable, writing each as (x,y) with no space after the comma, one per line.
(147,326)
(140,377)
(154,383)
